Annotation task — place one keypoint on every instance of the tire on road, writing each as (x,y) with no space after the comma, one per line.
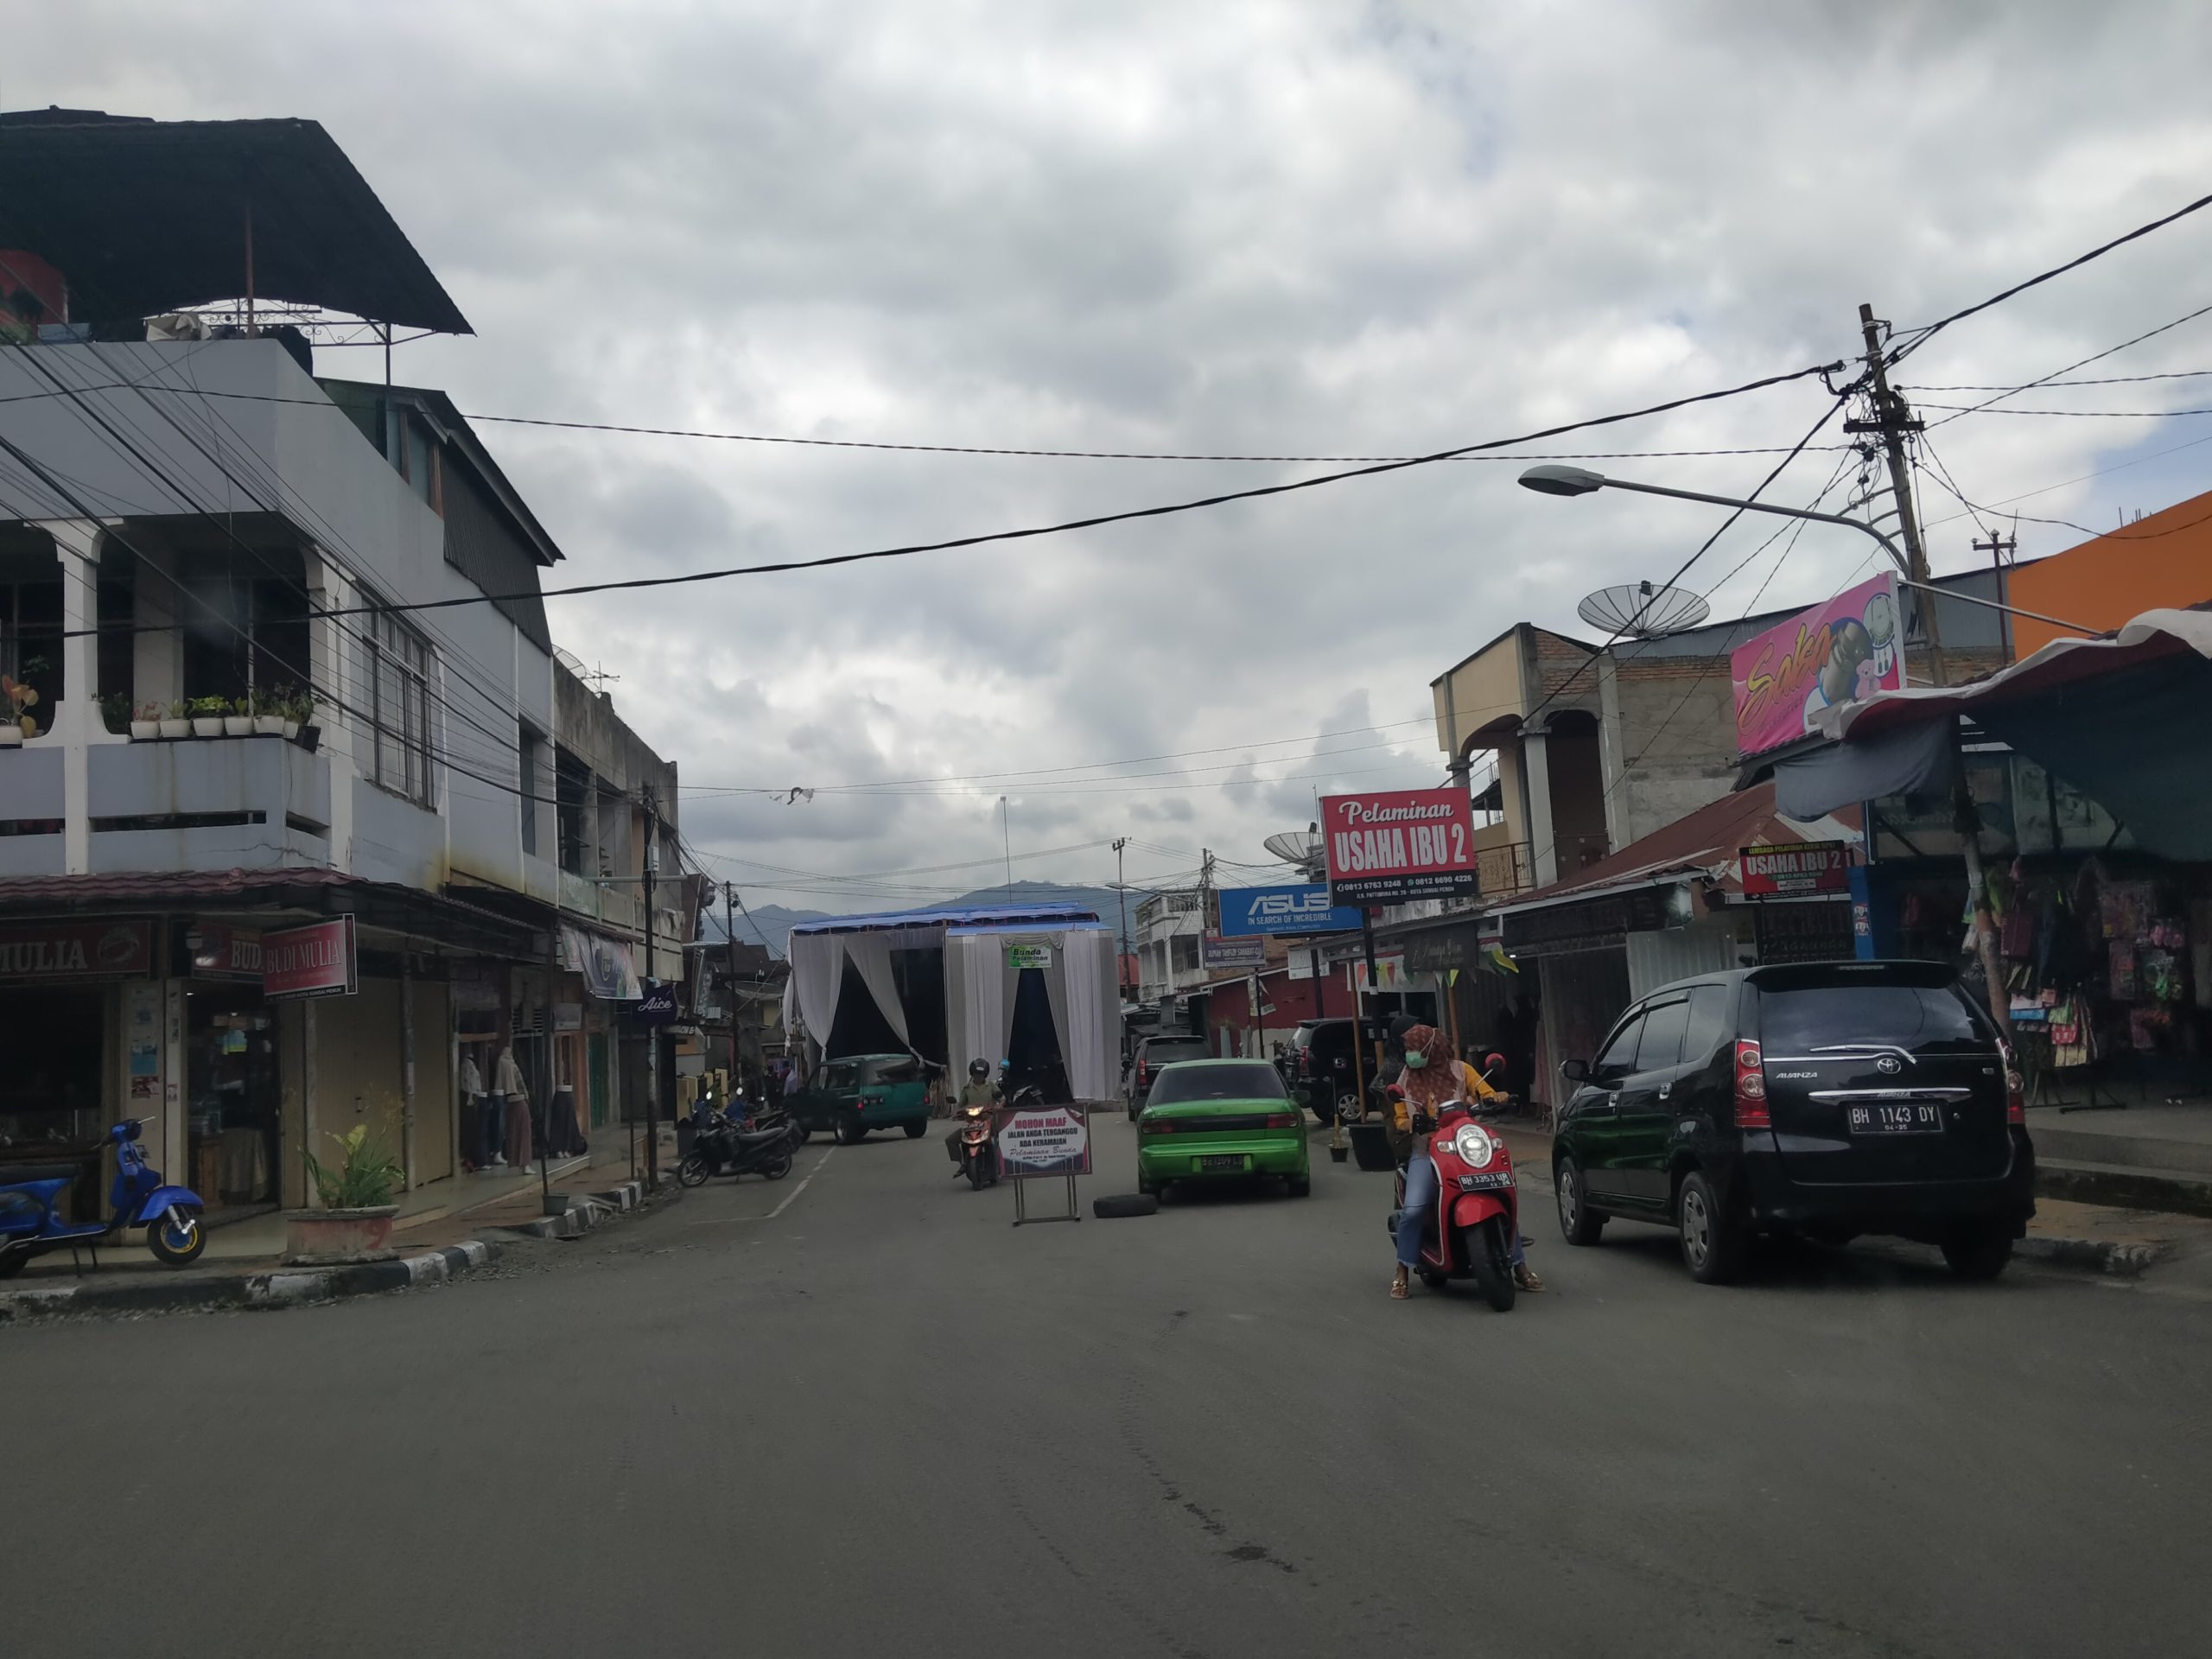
(851,1131)
(914,1131)
(1979,1254)
(1300,1187)
(1578,1223)
(776,1168)
(693,1171)
(1715,1242)
(1125,1203)
(1487,1255)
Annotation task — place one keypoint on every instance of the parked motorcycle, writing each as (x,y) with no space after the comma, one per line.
(977,1146)
(1477,1218)
(720,1147)
(31,1197)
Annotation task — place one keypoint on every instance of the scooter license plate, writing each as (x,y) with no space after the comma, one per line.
(1486,1180)
(1222,1160)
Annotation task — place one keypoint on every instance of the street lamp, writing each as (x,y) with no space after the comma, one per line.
(1552,479)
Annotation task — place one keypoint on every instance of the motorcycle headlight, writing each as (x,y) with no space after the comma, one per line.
(1473,1145)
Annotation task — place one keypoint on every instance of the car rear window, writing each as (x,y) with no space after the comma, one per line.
(1161,1052)
(1244,1080)
(1912,1016)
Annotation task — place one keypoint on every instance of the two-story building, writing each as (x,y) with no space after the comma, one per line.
(280,809)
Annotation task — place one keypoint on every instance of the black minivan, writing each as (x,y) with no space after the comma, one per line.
(1827,1099)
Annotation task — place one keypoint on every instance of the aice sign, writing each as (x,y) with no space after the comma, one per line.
(1390,846)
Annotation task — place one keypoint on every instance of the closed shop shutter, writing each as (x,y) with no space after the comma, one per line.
(1584,994)
(1655,959)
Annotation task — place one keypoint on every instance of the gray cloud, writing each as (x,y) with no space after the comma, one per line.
(1248,227)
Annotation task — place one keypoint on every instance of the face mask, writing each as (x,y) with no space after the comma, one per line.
(1416,1060)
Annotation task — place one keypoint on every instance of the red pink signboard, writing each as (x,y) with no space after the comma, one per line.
(1389,846)
(317,960)
(1842,651)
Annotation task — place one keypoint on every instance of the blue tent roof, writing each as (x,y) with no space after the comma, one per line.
(966,916)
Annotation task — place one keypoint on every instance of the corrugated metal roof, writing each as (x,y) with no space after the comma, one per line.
(158,886)
(143,217)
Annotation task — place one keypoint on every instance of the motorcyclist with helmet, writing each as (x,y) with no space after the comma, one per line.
(1431,1081)
(979,1092)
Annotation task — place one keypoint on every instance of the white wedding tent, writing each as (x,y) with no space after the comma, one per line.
(985,952)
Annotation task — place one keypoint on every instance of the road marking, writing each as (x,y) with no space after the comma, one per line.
(789,1200)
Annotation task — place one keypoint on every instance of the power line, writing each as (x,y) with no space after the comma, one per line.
(1125,515)
(2071,413)
(2083,478)
(2105,380)
(1928,331)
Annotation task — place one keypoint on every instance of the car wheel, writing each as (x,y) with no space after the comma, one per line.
(1979,1253)
(1714,1242)
(1299,1185)
(914,1131)
(852,1131)
(1578,1223)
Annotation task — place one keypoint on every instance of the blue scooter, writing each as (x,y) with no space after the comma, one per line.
(31,1223)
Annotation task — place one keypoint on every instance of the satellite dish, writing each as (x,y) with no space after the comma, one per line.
(569,660)
(1637,610)
(1299,847)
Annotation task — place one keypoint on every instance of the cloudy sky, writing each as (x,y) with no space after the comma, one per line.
(1225,228)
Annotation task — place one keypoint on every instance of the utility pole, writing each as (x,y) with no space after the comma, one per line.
(1893,418)
(1005,832)
(729,942)
(652,1033)
(2001,548)
(1121,892)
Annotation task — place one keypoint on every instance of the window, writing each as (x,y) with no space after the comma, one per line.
(1660,1048)
(1248,1080)
(571,793)
(529,747)
(400,712)
(30,640)
(422,465)
(1925,1019)
(1618,1058)
(1708,1027)
(1185,949)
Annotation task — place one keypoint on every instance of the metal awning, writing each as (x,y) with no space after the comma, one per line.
(142,217)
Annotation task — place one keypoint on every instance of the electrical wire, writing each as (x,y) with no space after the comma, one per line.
(1094,521)
(1960,411)
(1927,332)
(2070,414)
(2106,380)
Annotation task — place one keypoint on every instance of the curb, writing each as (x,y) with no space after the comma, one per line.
(2121,1259)
(281,1288)
(584,1212)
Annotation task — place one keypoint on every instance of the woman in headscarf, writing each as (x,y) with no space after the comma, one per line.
(1433,1080)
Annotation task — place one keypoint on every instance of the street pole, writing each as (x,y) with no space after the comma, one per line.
(653,1032)
(729,940)
(1121,892)
(1359,1002)
(545,1071)
(2000,548)
(1892,420)
(1005,833)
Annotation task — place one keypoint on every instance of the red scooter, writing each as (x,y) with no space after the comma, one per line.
(1477,1207)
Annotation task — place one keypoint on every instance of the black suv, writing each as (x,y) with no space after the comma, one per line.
(1827,1099)
(1317,1067)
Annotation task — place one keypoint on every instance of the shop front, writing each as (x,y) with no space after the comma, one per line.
(234,1067)
(68,985)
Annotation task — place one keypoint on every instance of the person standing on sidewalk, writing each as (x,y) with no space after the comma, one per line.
(506,1080)
(472,1109)
(520,1129)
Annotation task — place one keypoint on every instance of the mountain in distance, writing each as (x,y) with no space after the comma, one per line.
(770,925)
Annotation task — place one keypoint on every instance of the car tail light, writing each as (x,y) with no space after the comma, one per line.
(1155,1126)
(1282,1120)
(2016,1093)
(1751,1087)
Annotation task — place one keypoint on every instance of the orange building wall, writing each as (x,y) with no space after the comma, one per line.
(2163,559)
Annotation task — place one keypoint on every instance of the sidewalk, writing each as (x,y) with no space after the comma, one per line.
(2095,1237)
(444,1230)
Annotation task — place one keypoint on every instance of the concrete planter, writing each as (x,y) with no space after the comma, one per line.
(174,728)
(325,1237)
(207,725)
(238,725)
(145,731)
(269,725)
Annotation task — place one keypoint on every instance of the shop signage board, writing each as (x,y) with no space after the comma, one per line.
(1843,650)
(1214,951)
(318,960)
(1444,948)
(1390,974)
(1019,957)
(1802,868)
(608,971)
(218,950)
(1045,1140)
(1297,908)
(47,952)
(1391,846)
(656,1003)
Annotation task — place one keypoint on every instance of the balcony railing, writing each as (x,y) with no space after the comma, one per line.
(1510,868)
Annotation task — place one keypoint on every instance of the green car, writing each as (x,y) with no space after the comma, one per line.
(856,1093)
(1220,1120)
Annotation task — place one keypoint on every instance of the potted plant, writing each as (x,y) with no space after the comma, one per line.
(269,713)
(207,715)
(354,1223)
(146,721)
(176,720)
(115,712)
(237,718)
(16,723)
(299,721)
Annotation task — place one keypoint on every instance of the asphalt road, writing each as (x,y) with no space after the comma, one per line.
(884,1421)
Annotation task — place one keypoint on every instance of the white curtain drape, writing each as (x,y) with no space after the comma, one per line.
(1090,1027)
(817,972)
(979,1014)
(870,953)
